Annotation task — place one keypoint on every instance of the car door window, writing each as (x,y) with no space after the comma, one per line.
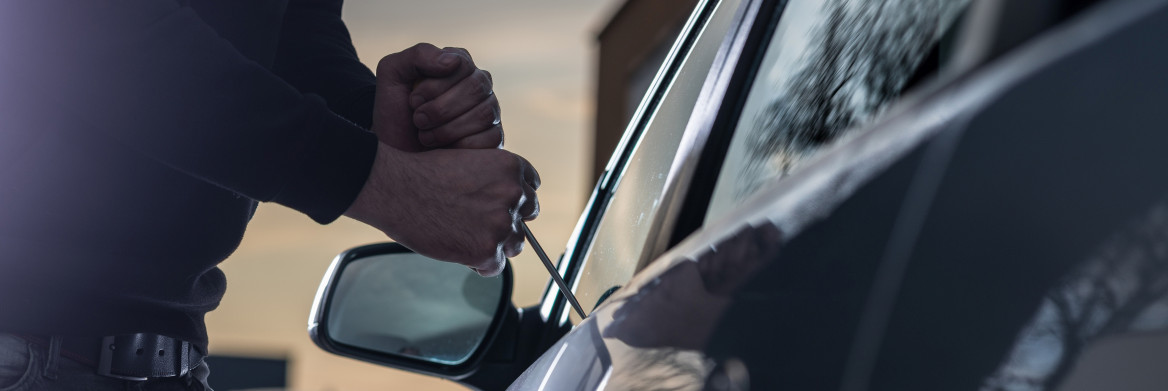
(830,66)
(611,258)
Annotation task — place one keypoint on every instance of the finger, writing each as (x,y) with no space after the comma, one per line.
(445,62)
(460,51)
(443,99)
(487,139)
(513,246)
(530,175)
(529,203)
(463,109)
(492,267)
(478,119)
(438,83)
(419,61)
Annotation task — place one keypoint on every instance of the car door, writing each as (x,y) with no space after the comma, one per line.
(653,199)
(834,315)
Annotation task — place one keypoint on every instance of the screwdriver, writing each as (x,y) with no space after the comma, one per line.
(552,270)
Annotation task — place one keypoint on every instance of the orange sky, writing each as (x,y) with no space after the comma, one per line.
(541,55)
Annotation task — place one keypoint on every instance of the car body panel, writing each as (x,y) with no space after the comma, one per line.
(1003,225)
(912,154)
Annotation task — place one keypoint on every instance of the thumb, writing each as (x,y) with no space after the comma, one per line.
(407,67)
(443,65)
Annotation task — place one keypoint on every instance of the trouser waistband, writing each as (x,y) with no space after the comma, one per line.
(135,357)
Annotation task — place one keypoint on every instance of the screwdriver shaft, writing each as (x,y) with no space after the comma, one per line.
(552,269)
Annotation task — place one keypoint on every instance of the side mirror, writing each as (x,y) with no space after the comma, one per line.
(385,304)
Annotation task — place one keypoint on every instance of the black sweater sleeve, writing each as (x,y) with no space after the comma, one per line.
(154,77)
(316,55)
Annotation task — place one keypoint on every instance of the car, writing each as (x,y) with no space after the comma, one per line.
(849,195)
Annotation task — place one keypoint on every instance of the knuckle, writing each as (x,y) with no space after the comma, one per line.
(496,135)
(424,117)
(510,163)
(455,49)
(426,89)
(488,252)
(422,46)
(385,63)
(484,81)
(487,114)
(500,228)
(514,192)
(436,112)
(428,139)
(484,248)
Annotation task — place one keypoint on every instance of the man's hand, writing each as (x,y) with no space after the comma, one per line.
(457,205)
(461,204)
(435,98)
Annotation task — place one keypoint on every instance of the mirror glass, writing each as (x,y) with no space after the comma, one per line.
(409,305)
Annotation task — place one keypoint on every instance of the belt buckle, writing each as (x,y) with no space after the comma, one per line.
(125,352)
(109,345)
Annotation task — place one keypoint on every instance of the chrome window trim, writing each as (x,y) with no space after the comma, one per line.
(569,265)
(634,136)
(668,70)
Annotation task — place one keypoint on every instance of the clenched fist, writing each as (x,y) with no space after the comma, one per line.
(440,184)
(435,98)
(456,205)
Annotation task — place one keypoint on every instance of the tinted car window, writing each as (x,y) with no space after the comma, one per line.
(614,251)
(830,66)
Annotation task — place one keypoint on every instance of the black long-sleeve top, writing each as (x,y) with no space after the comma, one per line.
(136,137)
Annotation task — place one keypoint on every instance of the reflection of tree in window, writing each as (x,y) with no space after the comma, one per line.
(1121,288)
(664,369)
(862,55)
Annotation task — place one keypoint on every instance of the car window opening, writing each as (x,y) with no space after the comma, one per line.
(830,68)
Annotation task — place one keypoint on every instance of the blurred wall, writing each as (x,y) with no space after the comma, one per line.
(632,44)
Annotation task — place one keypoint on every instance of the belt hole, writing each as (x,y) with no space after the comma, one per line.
(138,352)
(161,353)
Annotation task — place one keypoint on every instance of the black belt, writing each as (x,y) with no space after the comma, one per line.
(137,357)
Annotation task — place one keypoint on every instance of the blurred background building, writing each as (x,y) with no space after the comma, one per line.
(631,46)
(569,74)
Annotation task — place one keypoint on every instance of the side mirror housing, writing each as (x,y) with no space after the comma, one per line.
(387,305)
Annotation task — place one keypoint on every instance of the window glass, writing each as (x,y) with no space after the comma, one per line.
(611,257)
(830,66)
